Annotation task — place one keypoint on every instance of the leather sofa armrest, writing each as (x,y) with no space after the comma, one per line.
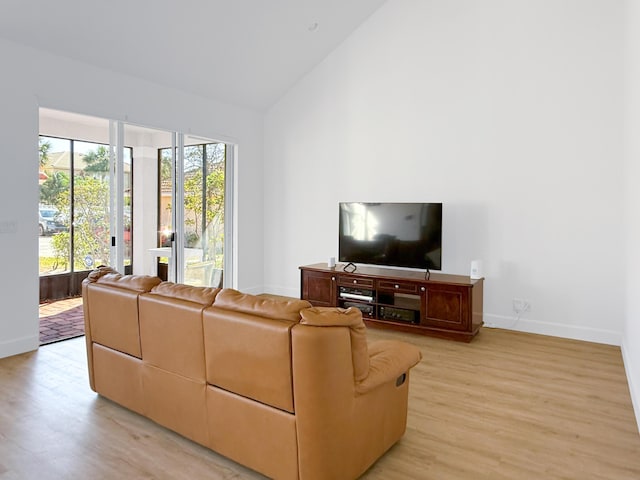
(388,361)
(100,272)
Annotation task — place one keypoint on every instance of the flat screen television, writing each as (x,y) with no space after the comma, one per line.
(391,234)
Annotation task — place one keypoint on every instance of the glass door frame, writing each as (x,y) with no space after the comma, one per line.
(117,196)
(177,235)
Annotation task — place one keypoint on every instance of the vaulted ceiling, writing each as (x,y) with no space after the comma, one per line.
(245,52)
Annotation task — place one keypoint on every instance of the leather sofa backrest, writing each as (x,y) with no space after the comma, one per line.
(171,327)
(112,307)
(352,318)
(201,295)
(262,306)
(248,347)
(109,276)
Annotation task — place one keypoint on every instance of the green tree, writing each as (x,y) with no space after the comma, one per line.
(206,222)
(91,221)
(61,247)
(44,147)
(97,161)
(54,189)
(200,219)
(165,163)
(91,235)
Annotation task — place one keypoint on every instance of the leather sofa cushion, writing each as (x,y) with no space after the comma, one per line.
(280,309)
(171,335)
(331,317)
(118,377)
(176,402)
(249,355)
(350,317)
(200,295)
(253,434)
(109,276)
(388,359)
(113,314)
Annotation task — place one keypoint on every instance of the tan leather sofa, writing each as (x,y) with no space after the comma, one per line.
(286,389)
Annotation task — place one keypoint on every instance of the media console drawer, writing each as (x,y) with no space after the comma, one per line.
(346,281)
(400,287)
(442,305)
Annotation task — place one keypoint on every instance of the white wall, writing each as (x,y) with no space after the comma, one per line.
(509,112)
(32,79)
(631,339)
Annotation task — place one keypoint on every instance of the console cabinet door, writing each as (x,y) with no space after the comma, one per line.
(319,288)
(447,307)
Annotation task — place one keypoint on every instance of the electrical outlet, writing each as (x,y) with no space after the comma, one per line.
(521,305)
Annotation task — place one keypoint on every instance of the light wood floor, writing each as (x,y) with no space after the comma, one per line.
(507,406)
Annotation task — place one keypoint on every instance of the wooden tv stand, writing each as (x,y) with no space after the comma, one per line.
(447,306)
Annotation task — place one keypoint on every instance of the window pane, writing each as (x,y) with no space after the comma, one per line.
(215,203)
(204,214)
(54,207)
(193,213)
(166,187)
(128,206)
(91,234)
(203,209)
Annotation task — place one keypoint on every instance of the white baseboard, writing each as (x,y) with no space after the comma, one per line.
(634,387)
(587,334)
(19,345)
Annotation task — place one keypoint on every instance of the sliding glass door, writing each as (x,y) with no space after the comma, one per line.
(200,167)
(203,212)
(119,172)
(75,212)
(94,196)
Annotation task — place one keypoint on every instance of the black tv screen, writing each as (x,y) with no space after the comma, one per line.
(392,234)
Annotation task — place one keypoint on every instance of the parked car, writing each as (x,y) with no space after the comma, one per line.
(50,222)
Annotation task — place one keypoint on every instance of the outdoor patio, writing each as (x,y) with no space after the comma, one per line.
(61,320)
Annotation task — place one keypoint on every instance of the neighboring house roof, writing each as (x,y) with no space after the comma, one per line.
(61,162)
